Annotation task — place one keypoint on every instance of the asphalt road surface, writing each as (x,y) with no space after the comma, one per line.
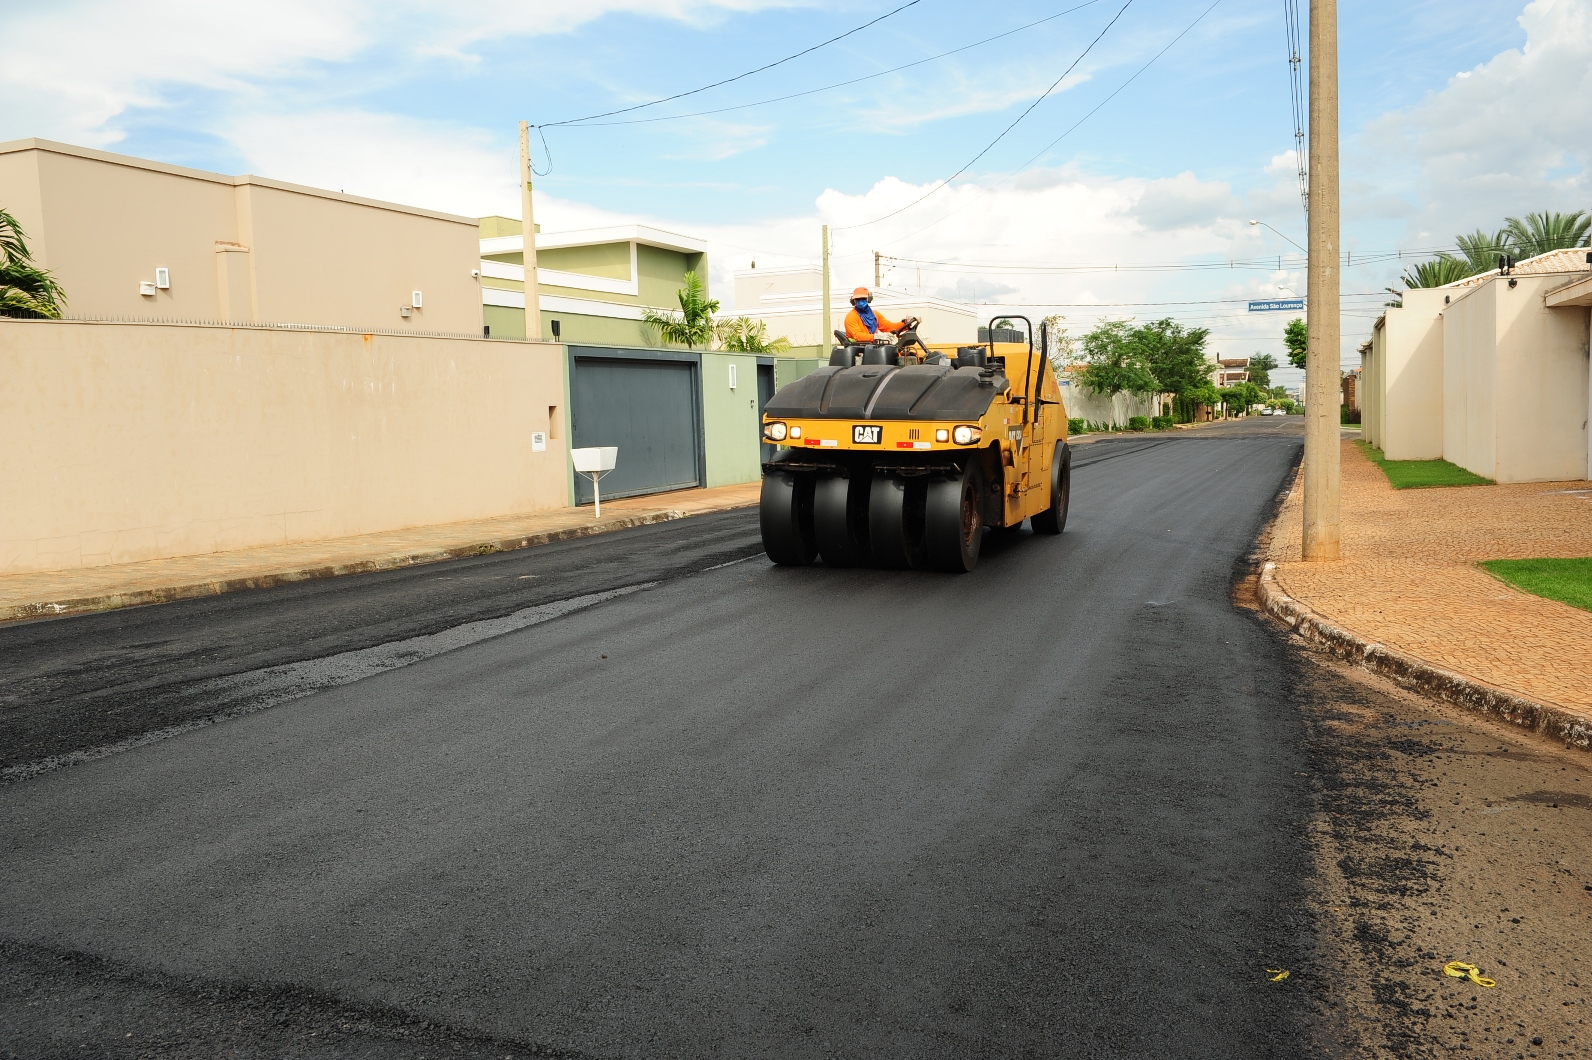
(1056,807)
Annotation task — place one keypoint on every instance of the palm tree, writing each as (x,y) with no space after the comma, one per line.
(745,335)
(1539,233)
(1443,269)
(693,325)
(25,289)
(1482,250)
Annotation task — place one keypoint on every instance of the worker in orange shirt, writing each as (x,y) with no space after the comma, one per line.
(864,325)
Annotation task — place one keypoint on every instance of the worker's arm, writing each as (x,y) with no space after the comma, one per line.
(892,326)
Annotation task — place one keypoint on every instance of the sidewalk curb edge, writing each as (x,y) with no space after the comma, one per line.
(1409,672)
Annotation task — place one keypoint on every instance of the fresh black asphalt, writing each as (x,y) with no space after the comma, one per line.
(1050,808)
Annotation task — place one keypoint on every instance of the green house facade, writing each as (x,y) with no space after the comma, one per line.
(595,283)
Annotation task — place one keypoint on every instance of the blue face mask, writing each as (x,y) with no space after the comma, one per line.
(865,312)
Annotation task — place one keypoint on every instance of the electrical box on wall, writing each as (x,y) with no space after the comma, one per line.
(146,288)
(538,441)
(163,279)
(414,299)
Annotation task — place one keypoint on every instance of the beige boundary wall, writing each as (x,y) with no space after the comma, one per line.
(241,249)
(126,442)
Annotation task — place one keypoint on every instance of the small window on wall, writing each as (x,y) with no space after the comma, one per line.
(552,422)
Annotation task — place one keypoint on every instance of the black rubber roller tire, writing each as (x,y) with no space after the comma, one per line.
(1053,520)
(953,528)
(840,520)
(785,515)
(895,522)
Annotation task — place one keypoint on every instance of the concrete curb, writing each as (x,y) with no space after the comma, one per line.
(392,561)
(1419,676)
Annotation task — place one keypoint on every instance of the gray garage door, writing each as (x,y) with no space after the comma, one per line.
(648,408)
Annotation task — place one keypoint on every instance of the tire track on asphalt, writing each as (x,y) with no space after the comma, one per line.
(257,690)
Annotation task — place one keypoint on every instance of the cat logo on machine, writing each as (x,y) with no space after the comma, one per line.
(867,434)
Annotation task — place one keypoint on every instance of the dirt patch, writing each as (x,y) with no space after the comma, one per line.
(1442,837)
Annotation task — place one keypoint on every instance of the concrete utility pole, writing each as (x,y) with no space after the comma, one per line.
(1321,352)
(829,324)
(533,294)
(877,281)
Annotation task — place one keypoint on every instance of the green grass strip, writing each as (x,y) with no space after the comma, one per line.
(1419,474)
(1566,580)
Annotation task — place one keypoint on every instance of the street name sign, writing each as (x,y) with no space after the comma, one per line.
(1271,305)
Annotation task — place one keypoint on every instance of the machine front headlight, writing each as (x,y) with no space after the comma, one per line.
(795,432)
(774,432)
(965,435)
(942,435)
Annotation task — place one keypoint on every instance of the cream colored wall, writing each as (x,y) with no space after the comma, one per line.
(1541,432)
(1515,380)
(103,222)
(1412,378)
(1470,346)
(126,442)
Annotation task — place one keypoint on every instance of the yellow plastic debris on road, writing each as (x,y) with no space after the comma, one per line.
(1461,970)
(1277,974)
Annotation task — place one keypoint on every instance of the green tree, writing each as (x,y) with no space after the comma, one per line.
(1482,249)
(1538,233)
(25,289)
(1114,361)
(1062,347)
(1240,396)
(1174,354)
(1260,366)
(1295,336)
(693,325)
(1441,270)
(745,335)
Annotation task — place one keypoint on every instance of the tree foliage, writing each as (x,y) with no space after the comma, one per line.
(1295,336)
(25,289)
(1260,366)
(745,335)
(1240,396)
(1161,356)
(692,326)
(1114,361)
(1538,233)
(1443,269)
(1482,249)
(1060,347)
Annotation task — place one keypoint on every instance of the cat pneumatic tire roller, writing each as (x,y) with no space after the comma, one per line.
(903,455)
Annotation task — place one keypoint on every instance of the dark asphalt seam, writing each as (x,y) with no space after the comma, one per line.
(257,690)
(271,1010)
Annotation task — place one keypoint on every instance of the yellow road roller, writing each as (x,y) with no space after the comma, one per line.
(902,454)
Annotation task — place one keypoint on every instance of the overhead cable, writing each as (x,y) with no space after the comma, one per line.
(990,146)
(1188,29)
(1290,12)
(838,84)
(737,77)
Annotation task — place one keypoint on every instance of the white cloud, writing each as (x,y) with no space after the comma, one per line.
(1513,134)
(69,68)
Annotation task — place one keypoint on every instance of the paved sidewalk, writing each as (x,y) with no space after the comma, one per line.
(1409,578)
(156,581)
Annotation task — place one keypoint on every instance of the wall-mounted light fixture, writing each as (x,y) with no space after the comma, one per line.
(732,377)
(163,278)
(556,330)
(414,299)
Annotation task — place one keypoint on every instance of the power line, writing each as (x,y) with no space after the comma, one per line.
(1200,18)
(737,77)
(990,146)
(1290,13)
(839,84)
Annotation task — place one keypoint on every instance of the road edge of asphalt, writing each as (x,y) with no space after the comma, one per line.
(1417,675)
(392,561)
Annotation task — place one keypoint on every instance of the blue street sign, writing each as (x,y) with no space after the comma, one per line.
(1292,305)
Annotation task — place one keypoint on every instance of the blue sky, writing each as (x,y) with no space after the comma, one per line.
(1454,114)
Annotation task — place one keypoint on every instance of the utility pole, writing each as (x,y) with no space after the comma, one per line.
(829,324)
(877,280)
(533,294)
(1322,431)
